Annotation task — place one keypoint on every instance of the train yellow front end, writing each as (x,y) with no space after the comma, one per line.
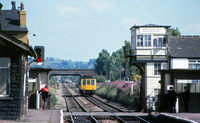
(88,85)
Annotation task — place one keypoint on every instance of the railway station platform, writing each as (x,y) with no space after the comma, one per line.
(177,117)
(39,116)
(55,116)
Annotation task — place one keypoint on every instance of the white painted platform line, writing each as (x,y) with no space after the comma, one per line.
(190,121)
(61,116)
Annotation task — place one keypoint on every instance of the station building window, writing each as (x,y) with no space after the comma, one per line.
(157,66)
(4,77)
(194,63)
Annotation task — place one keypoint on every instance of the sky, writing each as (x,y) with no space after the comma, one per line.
(78,30)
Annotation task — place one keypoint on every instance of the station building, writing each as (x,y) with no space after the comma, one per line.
(165,61)
(14,52)
(184,70)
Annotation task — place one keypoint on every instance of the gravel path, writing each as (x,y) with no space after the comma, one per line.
(60,104)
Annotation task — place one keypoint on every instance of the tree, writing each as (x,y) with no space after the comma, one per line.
(115,66)
(91,61)
(102,65)
(112,66)
(174,31)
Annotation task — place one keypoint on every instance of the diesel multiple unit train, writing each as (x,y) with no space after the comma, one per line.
(87,85)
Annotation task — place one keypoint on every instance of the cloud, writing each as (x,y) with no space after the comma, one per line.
(65,9)
(101,6)
(195,27)
(130,21)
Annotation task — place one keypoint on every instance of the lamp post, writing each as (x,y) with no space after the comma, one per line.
(32,34)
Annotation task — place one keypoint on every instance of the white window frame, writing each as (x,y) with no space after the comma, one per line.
(4,65)
(194,63)
(159,41)
(144,40)
(157,66)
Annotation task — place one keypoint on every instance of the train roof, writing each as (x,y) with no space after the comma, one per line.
(87,77)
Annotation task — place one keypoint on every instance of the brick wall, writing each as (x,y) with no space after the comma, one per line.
(13,107)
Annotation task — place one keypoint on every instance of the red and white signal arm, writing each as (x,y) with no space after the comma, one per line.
(168,87)
(42,86)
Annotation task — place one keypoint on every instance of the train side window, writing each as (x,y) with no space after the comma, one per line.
(88,82)
(84,82)
(92,83)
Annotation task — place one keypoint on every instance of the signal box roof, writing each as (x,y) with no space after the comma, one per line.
(149,25)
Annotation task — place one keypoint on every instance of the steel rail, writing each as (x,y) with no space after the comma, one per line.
(122,110)
(92,101)
(93,118)
(68,109)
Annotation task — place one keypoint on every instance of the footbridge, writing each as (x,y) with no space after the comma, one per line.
(73,72)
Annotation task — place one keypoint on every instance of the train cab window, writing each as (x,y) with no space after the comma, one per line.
(84,82)
(92,83)
(88,82)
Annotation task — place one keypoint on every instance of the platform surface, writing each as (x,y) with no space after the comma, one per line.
(38,116)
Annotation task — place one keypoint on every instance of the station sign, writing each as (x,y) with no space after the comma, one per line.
(32,80)
(168,87)
(42,86)
(152,30)
(187,81)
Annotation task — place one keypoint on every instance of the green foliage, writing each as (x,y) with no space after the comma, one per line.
(113,66)
(174,31)
(53,80)
(113,93)
(64,64)
(69,78)
(102,65)
(100,78)
(125,49)
(53,100)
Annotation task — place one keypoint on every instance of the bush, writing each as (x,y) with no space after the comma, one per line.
(100,78)
(53,100)
(118,91)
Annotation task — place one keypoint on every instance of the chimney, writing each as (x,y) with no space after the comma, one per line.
(22,6)
(13,5)
(22,15)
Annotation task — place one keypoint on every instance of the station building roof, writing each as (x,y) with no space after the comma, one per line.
(8,40)
(185,47)
(10,20)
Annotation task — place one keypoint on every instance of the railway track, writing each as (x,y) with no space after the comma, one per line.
(73,117)
(109,112)
(113,109)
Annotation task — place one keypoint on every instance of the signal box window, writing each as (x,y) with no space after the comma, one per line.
(143,40)
(159,42)
(84,82)
(4,77)
(92,82)
(88,82)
